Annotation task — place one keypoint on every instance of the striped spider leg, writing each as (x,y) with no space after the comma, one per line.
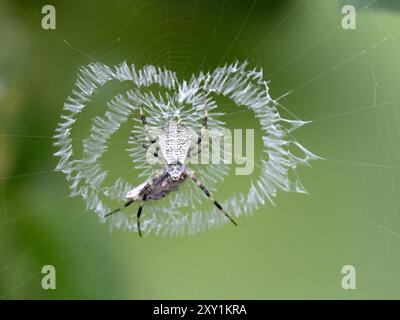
(209,195)
(141,194)
(204,126)
(147,132)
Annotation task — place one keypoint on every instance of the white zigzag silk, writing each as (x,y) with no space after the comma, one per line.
(245,87)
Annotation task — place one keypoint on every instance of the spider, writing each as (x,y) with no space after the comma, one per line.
(176,147)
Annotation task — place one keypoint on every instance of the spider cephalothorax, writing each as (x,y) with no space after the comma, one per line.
(173,146)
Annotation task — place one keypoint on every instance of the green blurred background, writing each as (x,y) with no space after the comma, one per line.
(346,81)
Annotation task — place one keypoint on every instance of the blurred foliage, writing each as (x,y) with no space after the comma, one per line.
(295,250)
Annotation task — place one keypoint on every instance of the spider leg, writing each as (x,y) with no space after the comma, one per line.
(204,123)
(145,126)
(190,154)
(127,204)
(146,146)
(139,213)
(210,196)
(204,126)
(143,193)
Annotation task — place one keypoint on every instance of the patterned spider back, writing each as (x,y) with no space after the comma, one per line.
(174,142)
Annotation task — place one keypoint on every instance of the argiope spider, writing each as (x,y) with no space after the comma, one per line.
(176,146)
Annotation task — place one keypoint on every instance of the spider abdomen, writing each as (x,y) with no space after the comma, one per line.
(159,190)
(164,187)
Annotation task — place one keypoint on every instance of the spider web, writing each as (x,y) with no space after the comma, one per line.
(375,159)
